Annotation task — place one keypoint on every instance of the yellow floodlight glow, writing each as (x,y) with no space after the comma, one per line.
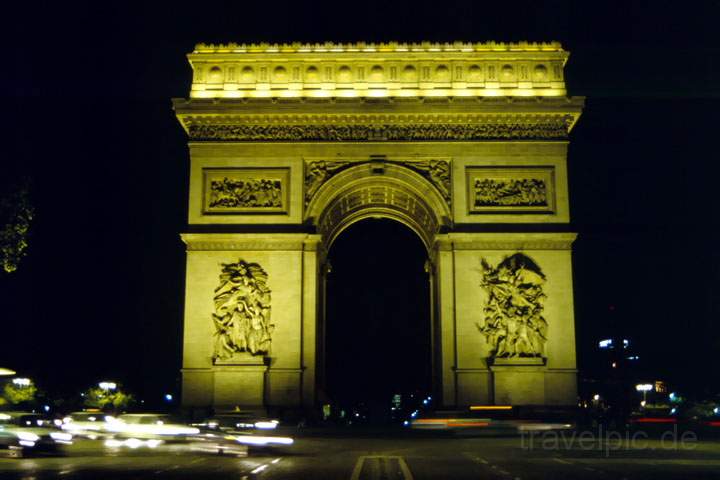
(6,371)
(378,90)
(490,407)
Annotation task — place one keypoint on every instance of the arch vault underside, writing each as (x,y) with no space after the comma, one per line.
(470,155)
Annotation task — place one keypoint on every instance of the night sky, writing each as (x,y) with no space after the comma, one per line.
(87,116)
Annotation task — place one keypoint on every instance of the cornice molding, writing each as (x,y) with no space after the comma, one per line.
(240,241)
(505,241)
(332,47)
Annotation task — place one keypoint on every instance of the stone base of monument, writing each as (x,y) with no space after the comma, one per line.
(518,380)
(239,381)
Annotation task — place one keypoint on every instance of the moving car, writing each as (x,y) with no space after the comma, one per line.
(88,424)
(22,433)
(247,429)
(149,426)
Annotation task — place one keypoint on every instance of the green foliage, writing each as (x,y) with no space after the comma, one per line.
(16,394)
(117,400)
(16,214)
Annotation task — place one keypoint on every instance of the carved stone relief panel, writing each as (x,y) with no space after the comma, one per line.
(246,190)
(513,323)
(510,189)
(242,311)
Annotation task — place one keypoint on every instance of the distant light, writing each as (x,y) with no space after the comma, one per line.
(673,410)
(644,387)
(21,382)
(406,423)
(607,343)
(596,397)
(491,407)
(46,408)
(614,364)
(672,396)
(642,403)
(168,397)
(425,402)
(716,410)
(107,385)
(633,357)
(626,343)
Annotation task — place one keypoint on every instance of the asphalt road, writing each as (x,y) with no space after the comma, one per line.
(329,455)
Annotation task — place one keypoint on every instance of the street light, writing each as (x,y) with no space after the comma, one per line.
(107,385)
(21,382)
(644,388)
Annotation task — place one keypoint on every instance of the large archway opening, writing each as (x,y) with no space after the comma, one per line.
(378,320)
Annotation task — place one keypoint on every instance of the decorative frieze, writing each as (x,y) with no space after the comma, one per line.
(246,190)
(510,189)
(552,128)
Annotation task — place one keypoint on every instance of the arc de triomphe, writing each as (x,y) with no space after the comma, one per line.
(465,144)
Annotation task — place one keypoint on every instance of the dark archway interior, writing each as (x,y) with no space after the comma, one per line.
(378,314)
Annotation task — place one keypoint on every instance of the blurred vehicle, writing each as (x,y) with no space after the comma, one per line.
(147,429)
(247,429)
(87,424)
(22,433)
(236,422)
(492,419)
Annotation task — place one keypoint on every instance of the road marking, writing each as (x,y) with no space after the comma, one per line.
(560,460)
(377,466)
(260,468)
(495,468)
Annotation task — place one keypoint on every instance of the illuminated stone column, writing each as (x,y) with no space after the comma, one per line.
(312,260)
(515,326)
(446,346)
(246,367)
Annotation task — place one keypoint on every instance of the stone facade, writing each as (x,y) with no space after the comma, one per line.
(291,144)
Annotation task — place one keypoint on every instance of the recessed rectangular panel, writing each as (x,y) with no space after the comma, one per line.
(246,190)
(510,189)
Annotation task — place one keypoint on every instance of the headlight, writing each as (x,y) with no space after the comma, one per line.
(266,425)
(61,436)
(28,436)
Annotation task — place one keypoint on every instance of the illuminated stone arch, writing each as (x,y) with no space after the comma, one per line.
(465,144)
(369,190)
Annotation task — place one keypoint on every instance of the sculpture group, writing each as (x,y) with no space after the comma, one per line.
(514,325)
(242,311)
